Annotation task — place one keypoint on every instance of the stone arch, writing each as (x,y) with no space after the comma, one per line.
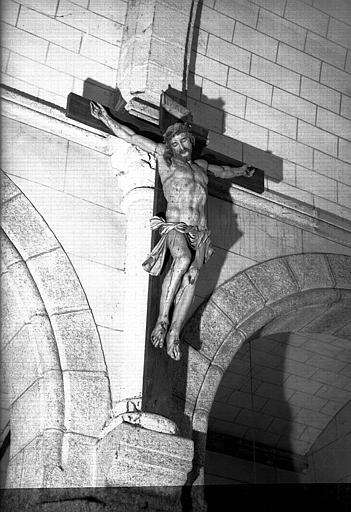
(67,397)
(248,302)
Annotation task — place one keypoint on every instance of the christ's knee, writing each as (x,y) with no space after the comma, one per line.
(182,263)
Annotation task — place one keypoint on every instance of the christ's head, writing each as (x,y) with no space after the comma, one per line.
(179,142)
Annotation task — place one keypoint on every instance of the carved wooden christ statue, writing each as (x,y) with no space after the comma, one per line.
(184,231)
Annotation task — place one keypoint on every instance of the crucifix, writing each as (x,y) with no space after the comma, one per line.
(183,231)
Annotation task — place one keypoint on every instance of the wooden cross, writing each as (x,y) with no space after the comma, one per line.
(171,110)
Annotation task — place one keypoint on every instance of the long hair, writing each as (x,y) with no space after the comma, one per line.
(172,130)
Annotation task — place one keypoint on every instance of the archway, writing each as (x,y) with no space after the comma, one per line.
(53,369)
(311,292)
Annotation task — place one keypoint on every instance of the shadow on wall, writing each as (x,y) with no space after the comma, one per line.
(271,164)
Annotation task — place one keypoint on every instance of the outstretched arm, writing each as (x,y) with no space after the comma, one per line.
(226,171)
(120,130)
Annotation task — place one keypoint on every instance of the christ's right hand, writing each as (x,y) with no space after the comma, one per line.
(98,111)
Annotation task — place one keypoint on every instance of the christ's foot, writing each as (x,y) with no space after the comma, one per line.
(173,345)
(159,333)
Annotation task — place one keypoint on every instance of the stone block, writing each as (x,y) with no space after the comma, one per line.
(23,160)
(335,78)
(50,29)
(57,282)
(344,195)
(108,308)
(96,49)
(255,42)
(238,298)
(320,94)
(211,69)
(8,188)
(271,118)
(33,464)
(14,471)
(115,10)
(239,10)
(207,329)
(346,106)
(9,12)
(138,450)
(27,292)
(345,150)
(333,319)
(245,131)
(232,102)
(275,74)
(216,23)
(26,44)
(228,53)
(308,401)
(281,29)
(209,388)
(188,375)
(317,243)
(273,279)
(330,392)
(310,271)
(26,417)
(80,66)
(325,50)
(319,139)
(255,322)
(46,345)
(19,364)
(339,9)
(39,75)
(23,224)
(301,384)
(330,166)
(334,123)
(299,61)
(88,22)
(229,349)
(339,32)
(294,105)
(306,16)
(249,86)
(291,150)
(88,401)
(78,460)
(11,321)
(78,341)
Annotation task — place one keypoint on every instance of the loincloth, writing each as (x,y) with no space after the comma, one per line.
(195,238)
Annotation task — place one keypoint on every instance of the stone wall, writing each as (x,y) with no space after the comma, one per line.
(329,457)
(52,47)
(276,75)
(75,191)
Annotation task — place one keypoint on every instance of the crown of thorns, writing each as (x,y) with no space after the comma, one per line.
(176,129)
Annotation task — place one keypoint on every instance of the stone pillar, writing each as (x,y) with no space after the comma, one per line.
(135,170)
(155,52)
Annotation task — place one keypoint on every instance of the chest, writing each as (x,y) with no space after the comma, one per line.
(185,174)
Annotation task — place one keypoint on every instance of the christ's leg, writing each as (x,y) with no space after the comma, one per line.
(183,302)
(181,260)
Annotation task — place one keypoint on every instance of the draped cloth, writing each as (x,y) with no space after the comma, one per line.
(195,238)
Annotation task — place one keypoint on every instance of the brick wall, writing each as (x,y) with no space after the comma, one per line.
(275,74)
(51,47)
